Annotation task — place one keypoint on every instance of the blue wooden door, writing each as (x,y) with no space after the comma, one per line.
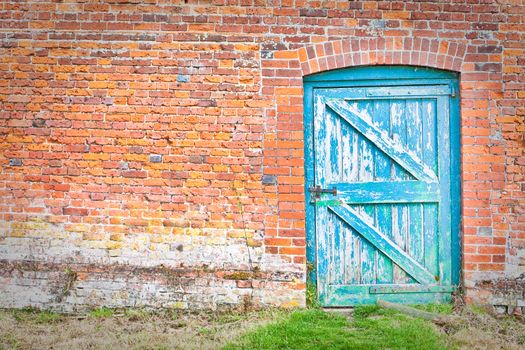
(380,188)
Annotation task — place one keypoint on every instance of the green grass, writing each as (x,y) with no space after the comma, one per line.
(47,317)
(370,328)
(33,315)
(102,312)
(138,314)
(377,328)
(299,330)
(9,342)
(478,309)
(311,296)
(437,308)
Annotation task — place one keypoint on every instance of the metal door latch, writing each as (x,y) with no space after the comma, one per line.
(317,190)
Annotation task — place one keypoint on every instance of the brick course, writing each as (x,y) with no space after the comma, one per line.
(164,139)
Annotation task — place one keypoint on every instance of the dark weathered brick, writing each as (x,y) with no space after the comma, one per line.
(15,162)
(490,49)
(155,158)
(313,12)
(269,180)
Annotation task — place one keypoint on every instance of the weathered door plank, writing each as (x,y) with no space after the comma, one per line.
(366,174)
(349,174)
(414,145)
(400,212)
(322,238)
(444,219)
(430,217)
(383,164)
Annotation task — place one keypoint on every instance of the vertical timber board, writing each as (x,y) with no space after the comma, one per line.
(414,143)
(309,175)
(455,182)
(352,242)
(400,222)
(365,153)
(383,170)
(444,217)
(430,210)
(322,245)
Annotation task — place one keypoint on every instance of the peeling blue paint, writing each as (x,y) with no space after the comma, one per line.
(387,138)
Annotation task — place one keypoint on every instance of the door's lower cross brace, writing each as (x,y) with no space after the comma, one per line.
(418,288)
(384,244)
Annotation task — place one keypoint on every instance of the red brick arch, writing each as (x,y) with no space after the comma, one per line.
(376,51)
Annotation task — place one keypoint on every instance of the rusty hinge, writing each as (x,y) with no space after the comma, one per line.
(317,190)
(452,91)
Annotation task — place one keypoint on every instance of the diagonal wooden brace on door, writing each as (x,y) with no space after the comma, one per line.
(383,244)
(410,162)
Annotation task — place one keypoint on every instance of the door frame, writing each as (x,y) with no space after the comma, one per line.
(376,76)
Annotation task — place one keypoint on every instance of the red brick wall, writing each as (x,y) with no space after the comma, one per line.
(164,139)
